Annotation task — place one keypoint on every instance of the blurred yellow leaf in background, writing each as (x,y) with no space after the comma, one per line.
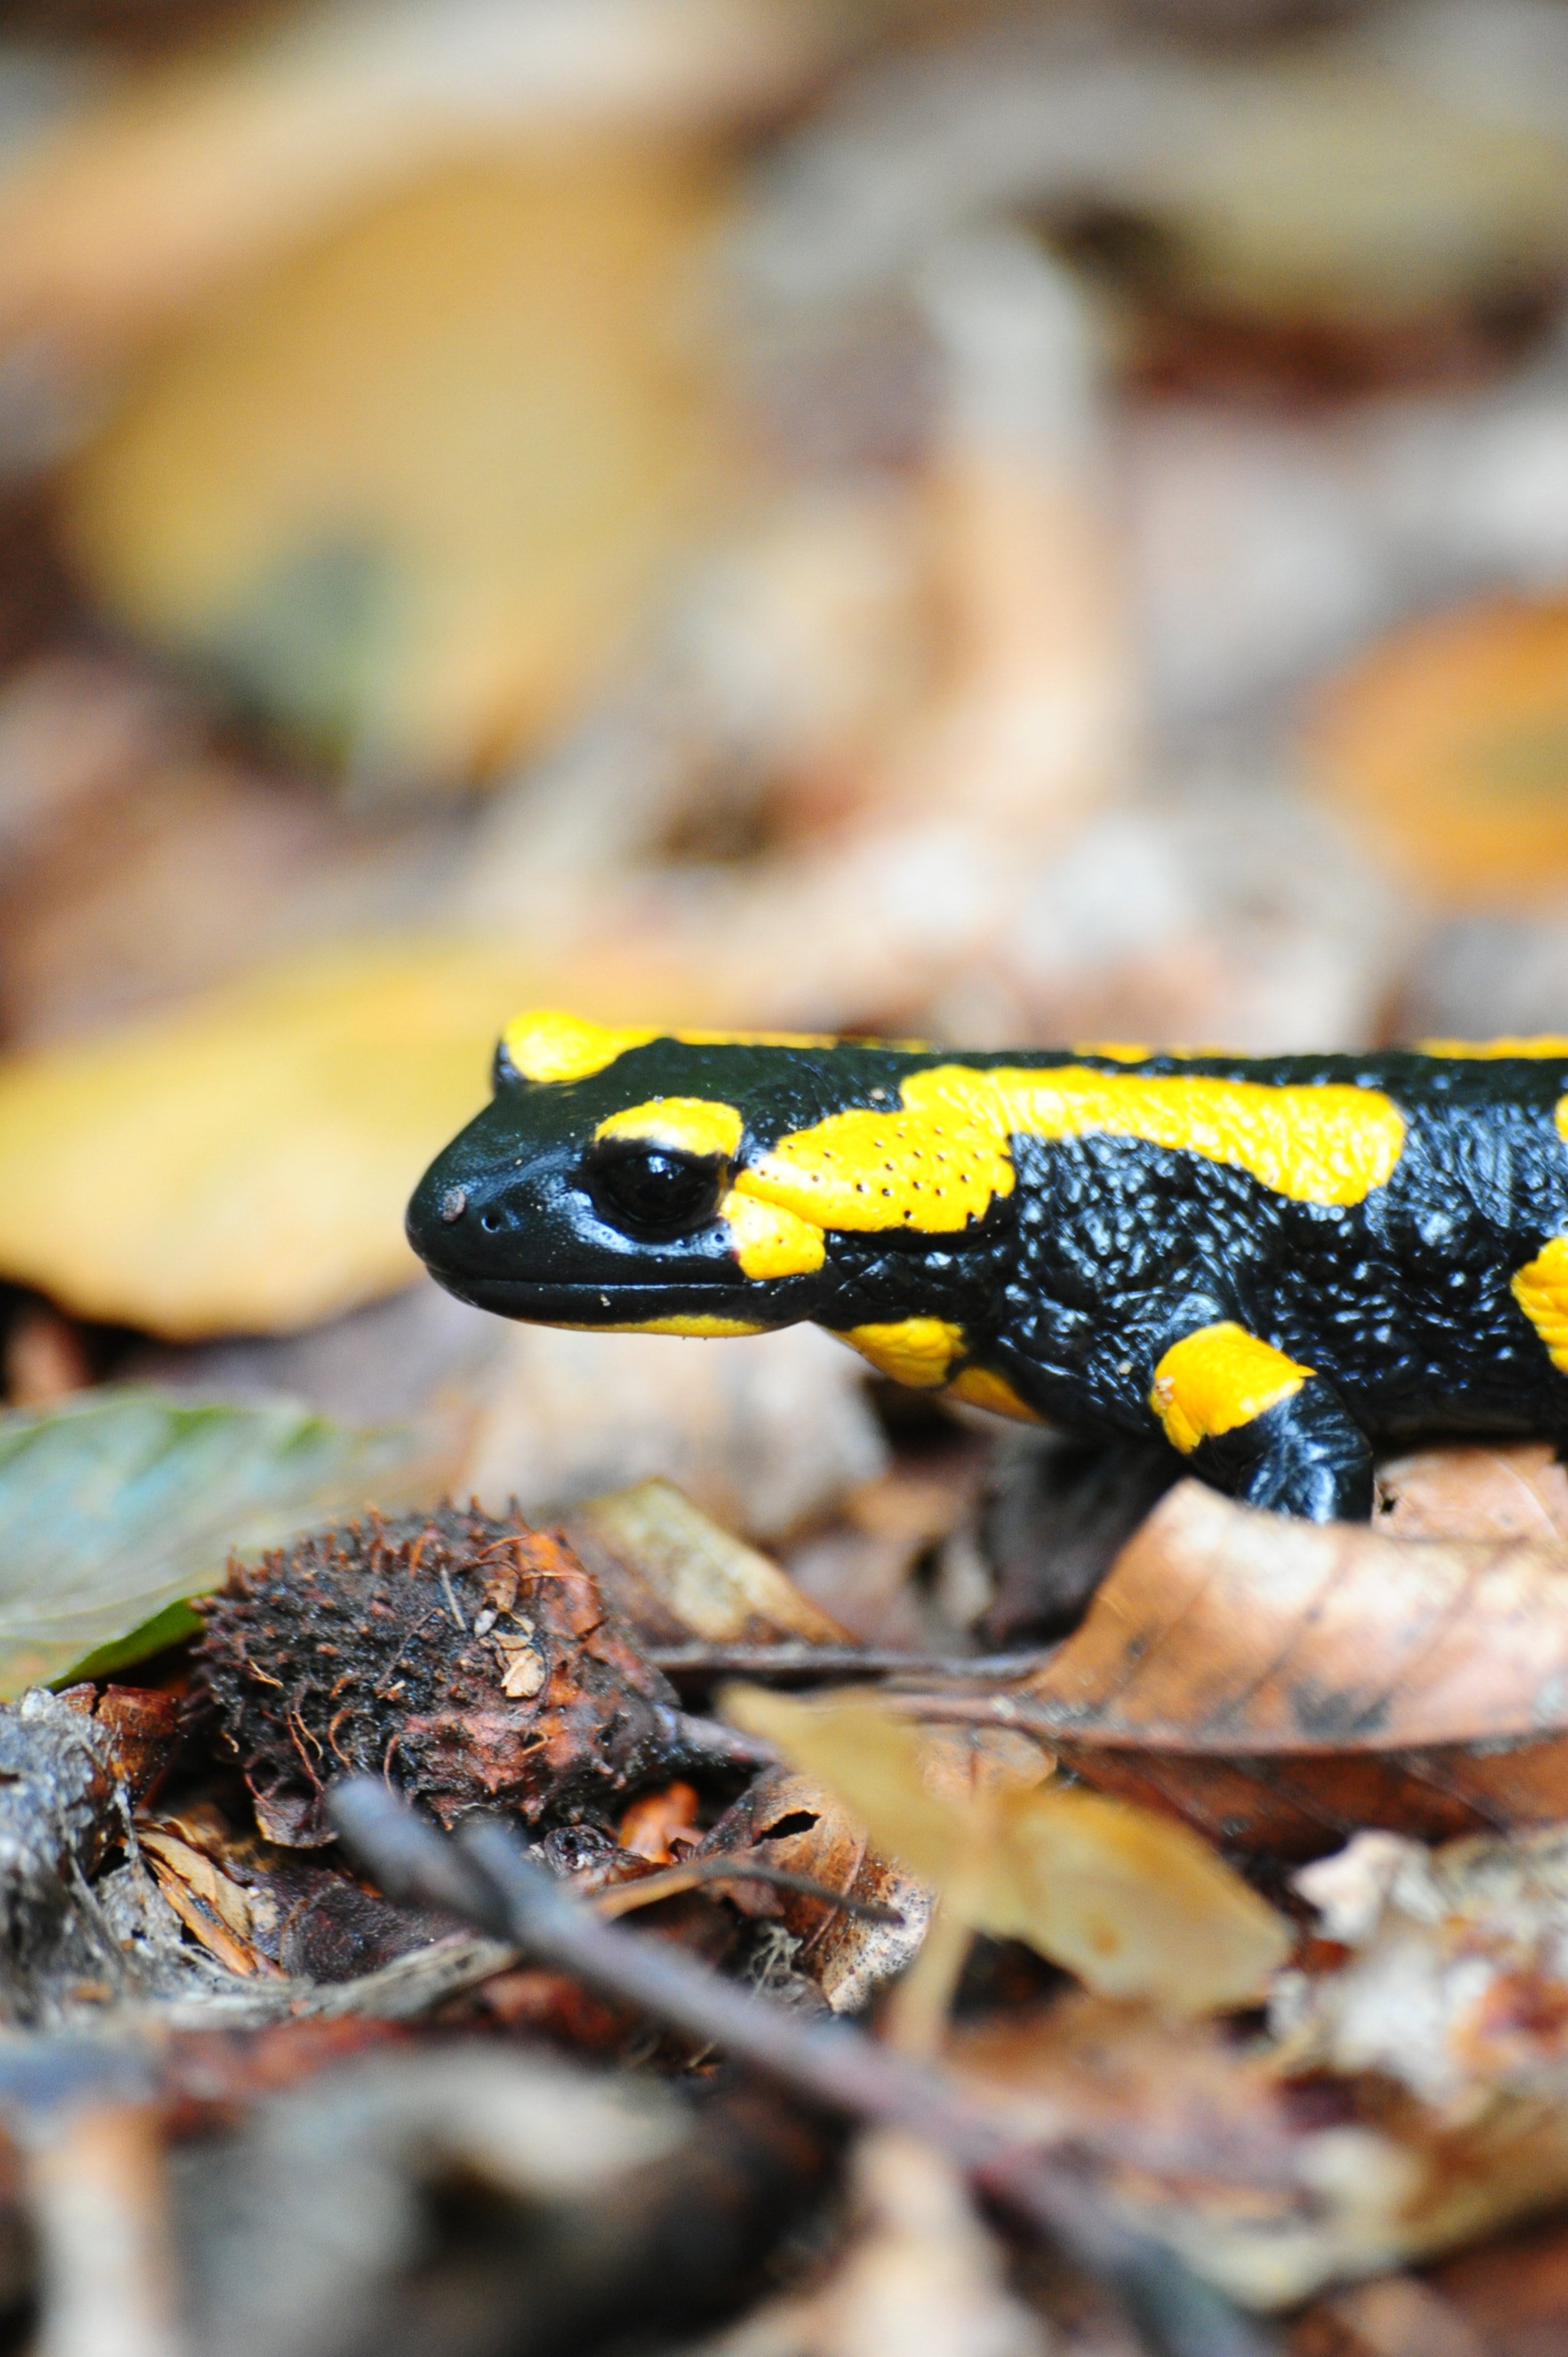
(405,492)
(242,1166)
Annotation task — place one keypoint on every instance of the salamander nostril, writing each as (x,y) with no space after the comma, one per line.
(454,1203)
(493,1219)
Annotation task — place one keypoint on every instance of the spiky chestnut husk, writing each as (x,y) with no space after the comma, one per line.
(471,1661)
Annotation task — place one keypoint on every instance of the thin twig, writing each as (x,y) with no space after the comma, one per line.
(707,1743)
(486,1877)
(791,1661)
(622,1897)
(1018,1711)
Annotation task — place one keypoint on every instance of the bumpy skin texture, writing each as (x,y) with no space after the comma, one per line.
(1275,1262)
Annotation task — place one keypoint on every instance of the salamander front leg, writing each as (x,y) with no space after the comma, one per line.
(1262,1427)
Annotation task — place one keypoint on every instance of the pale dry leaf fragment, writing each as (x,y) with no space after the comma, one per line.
(523,1673)
(713,1584)
(209,1903)
(1458,1985)
(1131,1903)
(573,1416)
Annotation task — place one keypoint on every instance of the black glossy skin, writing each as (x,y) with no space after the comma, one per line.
(1107,1250)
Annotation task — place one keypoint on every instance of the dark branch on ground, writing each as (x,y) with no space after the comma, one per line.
(486,1876)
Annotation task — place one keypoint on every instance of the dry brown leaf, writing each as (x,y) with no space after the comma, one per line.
(1446,748)
(416,545)
(1516,1491)
(242,1165)
(1286,1682)
(1393,2316)
(1126,1900)
(1267,2196)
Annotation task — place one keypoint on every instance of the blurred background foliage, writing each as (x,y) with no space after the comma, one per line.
(1010,524)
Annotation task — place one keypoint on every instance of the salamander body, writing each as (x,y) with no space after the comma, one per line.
(1274,1262)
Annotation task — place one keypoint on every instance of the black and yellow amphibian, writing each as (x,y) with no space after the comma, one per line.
(1275,1262)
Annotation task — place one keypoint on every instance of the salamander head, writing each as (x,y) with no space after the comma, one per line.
(693,1184)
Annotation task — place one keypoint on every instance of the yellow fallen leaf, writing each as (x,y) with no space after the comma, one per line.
(242,1165)
(1131,1903)
(407,489)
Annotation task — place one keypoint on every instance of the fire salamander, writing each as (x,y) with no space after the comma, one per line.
(1275,1262)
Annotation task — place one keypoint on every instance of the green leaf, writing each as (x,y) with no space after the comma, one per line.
(120,1504)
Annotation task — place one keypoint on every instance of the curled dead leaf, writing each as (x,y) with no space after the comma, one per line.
(1286,1682)
(800,1825)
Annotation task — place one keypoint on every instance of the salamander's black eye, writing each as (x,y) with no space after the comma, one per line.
(653,1191)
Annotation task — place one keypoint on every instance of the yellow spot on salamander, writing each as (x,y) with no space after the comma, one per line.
(1325,1144)
(914,1351)
(543,1044)
(546,1045)
(941,1158)
(693,1124)
(983,1387)
(769,1242)
(1541,1288)
(932,1163)
(1219,1377)
(1544,1043)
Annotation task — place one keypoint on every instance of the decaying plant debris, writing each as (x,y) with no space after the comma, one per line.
(467,1661)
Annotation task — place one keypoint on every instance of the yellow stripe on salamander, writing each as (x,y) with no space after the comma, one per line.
(692,1323)
(1543,1043)
(1219,1377)
(940,1159)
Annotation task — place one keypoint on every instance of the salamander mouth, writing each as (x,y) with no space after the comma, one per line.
(598,1304)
